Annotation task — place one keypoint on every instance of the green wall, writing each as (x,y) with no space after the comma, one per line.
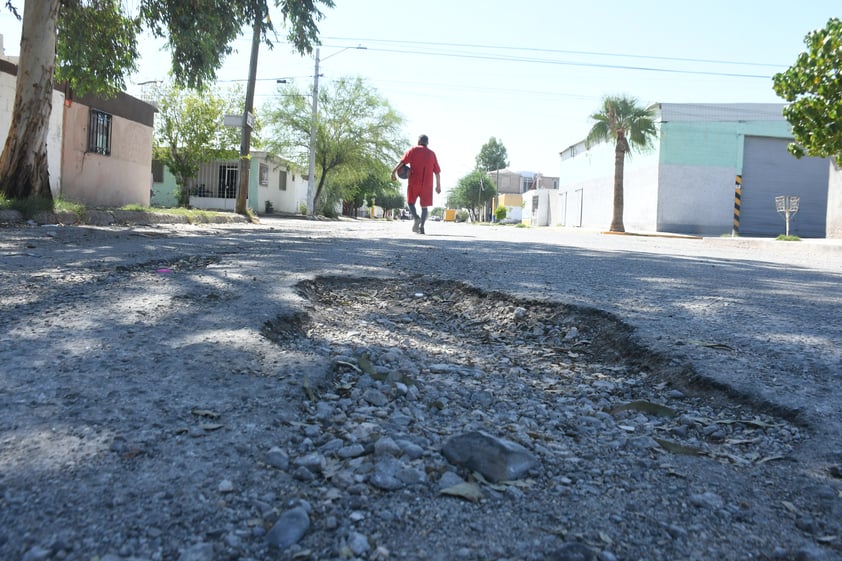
(713,144)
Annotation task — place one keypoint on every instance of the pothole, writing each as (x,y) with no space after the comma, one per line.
(492,357)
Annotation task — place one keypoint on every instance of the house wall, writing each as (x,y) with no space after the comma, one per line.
(513,204)
(8,79)
(834,201)
(586,191)
(165,193)
(699,161)
(288,200)
(264,185)
(121,178)
(687,184)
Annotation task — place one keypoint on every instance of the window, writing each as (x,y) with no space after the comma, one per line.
(282,181)
(264,174)
(229,179)
(99,133)
(157,171)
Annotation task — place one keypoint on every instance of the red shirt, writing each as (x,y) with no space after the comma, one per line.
(423,165)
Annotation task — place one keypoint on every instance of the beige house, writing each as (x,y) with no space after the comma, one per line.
(107,151)
(99,151)
(511,187)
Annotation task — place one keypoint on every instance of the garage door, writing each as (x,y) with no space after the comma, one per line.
(769,171)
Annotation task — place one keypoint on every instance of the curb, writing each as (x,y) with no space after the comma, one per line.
(115,218)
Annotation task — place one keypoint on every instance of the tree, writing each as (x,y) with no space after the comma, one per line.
(492,156)
(629,126)
(189,131)
(813,88)
(472,192)
(356,131)
(97,47)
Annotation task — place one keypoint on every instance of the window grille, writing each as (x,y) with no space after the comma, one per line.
(99,133)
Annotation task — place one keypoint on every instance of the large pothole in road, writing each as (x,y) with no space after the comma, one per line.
(487,359)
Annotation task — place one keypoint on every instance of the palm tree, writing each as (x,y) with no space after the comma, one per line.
(622,120)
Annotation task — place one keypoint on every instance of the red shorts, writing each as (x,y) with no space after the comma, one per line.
(414,192)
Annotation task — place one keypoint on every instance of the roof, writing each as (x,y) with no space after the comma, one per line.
(728,112)
(703,112)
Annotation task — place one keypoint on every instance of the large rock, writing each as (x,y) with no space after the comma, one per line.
(495,458)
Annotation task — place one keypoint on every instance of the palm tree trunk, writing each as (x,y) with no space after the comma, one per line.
(24,170)
(619,165)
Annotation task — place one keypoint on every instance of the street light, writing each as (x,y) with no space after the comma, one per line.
(311,168)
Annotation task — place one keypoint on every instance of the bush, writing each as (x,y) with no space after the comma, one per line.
(500,213)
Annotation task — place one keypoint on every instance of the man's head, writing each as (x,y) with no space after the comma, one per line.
(423,140)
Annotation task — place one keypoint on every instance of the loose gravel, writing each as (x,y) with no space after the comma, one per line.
(181,407)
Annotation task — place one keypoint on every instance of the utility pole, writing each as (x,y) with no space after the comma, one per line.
(311,169)
(314,117)
(248,120)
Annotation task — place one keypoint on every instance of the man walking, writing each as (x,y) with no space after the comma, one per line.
(423,165)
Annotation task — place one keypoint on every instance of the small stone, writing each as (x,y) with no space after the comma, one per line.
(351,451)
(358,543)
(573,552)
(386,446)
(289,529)
(225,486)
(277,458)
(495,458)
(197,552)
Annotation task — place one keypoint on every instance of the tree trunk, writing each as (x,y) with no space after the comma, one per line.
(24,170)
(619,165)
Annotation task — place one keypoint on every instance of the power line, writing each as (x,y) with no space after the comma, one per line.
(557,51)
(573,63)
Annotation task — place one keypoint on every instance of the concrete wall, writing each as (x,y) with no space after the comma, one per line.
(8,79)
(263,185)
(121,178)
(288,200)
(834,201)
(165,193)
(588,181)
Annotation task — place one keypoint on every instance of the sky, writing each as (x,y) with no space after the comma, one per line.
(528,73)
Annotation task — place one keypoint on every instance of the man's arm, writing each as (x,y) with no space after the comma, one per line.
(395,170)
(438,182)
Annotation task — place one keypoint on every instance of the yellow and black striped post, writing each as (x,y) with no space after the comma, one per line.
(738,193)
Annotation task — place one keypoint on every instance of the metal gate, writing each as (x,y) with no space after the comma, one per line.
(769,171)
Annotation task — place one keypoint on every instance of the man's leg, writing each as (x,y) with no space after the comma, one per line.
(423,219)
(416,220)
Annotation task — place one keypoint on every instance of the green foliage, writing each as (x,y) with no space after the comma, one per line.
(357,133)
(622,117)
(500,213)
(492,156)
(28,206)
(87,30)
(189,130)
(436,211)
(200,32)
(472,191)
(785,238)
(813,88)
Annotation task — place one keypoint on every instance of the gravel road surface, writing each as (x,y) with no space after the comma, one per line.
(284,390)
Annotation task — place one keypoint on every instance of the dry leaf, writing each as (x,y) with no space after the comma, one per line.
(646,407)
(205,413)
(211,426)
(790,507)
(468,491)
(677,448)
